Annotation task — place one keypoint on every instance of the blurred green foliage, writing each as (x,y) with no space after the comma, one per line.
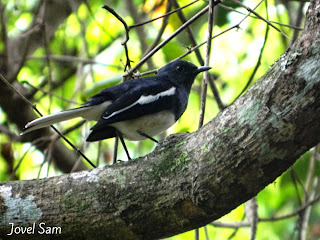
(87,55)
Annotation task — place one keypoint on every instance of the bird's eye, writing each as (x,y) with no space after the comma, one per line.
(179,68)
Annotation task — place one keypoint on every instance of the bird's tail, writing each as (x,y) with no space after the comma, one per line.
(46,121)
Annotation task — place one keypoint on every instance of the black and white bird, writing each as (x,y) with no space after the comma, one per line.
(136,109)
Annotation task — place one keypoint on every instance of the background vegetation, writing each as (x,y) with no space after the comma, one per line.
(86,54)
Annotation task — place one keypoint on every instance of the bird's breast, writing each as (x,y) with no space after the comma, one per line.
(152,124)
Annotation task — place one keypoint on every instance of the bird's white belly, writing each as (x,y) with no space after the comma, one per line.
(151,125)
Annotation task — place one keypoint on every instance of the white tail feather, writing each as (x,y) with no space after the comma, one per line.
(88,113)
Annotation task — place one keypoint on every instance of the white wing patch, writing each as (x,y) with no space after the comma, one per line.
(145,100)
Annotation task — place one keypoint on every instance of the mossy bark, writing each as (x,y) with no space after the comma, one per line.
(189,179)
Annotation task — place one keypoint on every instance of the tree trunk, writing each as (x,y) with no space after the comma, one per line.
(189,180)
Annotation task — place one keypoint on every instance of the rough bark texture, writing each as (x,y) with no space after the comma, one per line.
(189,180)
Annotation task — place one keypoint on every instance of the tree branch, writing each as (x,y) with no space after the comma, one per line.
(190,179)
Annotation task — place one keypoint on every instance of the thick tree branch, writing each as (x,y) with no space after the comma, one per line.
(189,180)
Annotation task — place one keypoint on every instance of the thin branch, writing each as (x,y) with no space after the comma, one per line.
(37,111)
(199,56)
(48,62)
(141,32)
(297,182)
(230,225)
(163,16)
(13,173)
(207,63)
(74,127)
(258,16)
(274,22)
(306,213)
(80,65)
(311,169)
(237,26)
(124,43)
(300,17)
(25,52)
(236,229)
(191,36)
(195,48)
(66,58)
(271,219)
(97,22)
(4,36)
(48,155)
(251,211)
(48,92)
(294,213)
(157,48)
(160,31)
(266,34)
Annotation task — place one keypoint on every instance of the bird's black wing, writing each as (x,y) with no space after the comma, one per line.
(112,93)
(144,97)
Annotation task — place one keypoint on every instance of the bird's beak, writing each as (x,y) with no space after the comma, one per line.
(201,69)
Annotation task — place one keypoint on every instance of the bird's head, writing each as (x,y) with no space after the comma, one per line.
(181,72)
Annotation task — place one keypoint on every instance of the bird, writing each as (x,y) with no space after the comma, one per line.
(136,110)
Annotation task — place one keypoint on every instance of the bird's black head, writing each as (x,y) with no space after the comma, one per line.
(181,72)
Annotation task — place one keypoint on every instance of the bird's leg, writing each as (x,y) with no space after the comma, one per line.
(115,149)
(124,145)
(147,136)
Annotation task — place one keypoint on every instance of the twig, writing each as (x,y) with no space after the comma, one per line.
(311,169)
(163,16)
(49,156)
(124,43)
(42,164)
(294,213)
(200,58)
(304,216)
(217,35)
(80,65)
(195,48)
(74,127)
(258,16)
(274,22)
(37,111)
(231,225)
(196,234)
(191,36)
(160,31)
(270,219)
(251,210)
(207,60)
(298,22)
(164,42)
(141,33)
(4,35)
(24,53)
(97,22)
(13,173)
(48,93)
(295,178)
(19,94)
(48,62)
(66,58)
(260,55)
